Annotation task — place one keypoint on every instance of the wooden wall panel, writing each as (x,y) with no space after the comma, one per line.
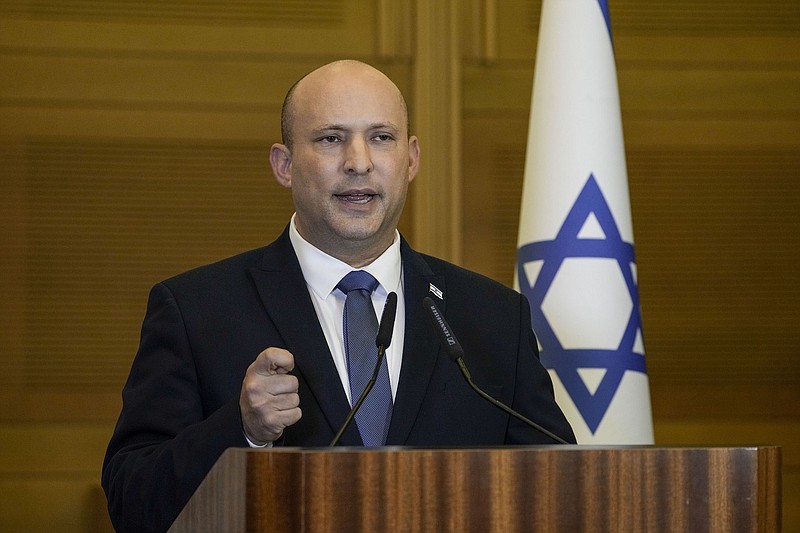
(436,193)
(104,221)
(310,28)
(49,477)
(265,13)
(719,242)
(492,190)
(133,143)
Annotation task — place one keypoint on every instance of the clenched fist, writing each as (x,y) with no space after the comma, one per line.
(269,401)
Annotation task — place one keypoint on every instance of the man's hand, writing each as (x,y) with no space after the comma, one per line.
(269,401)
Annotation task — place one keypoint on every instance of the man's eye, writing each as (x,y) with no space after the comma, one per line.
(383,137)
(329,139)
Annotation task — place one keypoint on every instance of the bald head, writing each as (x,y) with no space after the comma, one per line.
(309,86)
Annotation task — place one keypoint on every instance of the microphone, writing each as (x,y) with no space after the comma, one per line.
(456,353)
(382,341)
(386,327)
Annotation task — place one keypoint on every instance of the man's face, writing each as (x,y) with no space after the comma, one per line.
(350,162)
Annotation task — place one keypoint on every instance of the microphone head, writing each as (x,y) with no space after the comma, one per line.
(386,327)
(451,344)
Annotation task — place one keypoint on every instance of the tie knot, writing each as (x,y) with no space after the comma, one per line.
(357,279)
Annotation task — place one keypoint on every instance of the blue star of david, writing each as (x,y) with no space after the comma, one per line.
(566,363)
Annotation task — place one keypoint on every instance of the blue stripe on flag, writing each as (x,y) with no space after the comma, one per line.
(606,15)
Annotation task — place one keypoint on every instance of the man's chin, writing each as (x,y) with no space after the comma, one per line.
(358,235)
(364,232)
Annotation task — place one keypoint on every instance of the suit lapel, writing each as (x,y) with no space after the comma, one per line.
(421,346)
(283,291)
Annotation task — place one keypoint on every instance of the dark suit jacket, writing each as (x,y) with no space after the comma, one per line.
(204,328)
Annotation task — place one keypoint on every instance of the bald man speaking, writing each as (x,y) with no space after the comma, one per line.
(258,349)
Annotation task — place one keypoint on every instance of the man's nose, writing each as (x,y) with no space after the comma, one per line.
(358,159)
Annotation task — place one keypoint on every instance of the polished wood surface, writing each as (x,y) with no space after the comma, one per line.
(566,489)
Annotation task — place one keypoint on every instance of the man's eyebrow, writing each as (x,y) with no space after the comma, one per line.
(331,127)
(384,125)
(373,126)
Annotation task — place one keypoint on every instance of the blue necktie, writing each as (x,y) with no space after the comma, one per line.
(360,329)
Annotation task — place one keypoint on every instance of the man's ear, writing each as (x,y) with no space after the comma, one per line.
(280,158)
(413,158)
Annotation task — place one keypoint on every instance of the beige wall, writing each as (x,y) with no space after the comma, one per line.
(133,145)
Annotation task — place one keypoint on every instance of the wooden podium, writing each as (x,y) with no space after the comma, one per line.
(558,488)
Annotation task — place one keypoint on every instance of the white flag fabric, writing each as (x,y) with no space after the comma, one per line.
(575,258)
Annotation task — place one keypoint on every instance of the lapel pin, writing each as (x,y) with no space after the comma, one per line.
(435,290)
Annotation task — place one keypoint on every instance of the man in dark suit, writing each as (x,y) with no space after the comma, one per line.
(249,351)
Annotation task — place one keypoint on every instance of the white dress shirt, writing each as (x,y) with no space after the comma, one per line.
(323,272)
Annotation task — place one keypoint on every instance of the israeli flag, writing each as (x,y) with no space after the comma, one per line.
(575,259)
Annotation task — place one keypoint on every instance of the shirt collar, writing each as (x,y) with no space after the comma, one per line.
(323,272)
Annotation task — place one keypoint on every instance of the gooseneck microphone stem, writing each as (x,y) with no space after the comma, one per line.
(361,398)
(456,353)
(383,339)
(504,407)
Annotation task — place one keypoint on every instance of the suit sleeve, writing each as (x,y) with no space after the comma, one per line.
(533,391)
(165,442)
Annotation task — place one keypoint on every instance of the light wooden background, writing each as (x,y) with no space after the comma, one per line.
(133,145)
